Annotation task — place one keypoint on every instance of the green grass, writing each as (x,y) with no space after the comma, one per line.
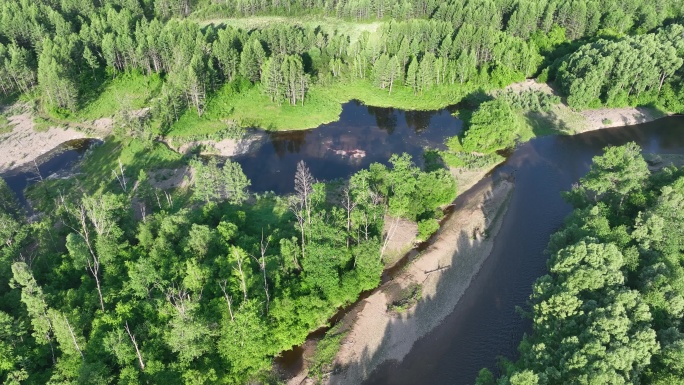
(132,89)
(401,97)
(5,126)
(326,350)
(408,297)
(98,164)
(41,125)
(247,106)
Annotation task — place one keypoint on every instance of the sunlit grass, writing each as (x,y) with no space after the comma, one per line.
(134,155)
(248,106)
(131,90)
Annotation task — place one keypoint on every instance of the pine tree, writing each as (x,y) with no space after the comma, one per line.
(251,60)
(412,75)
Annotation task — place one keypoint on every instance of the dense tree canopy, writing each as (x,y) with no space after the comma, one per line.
(130,287)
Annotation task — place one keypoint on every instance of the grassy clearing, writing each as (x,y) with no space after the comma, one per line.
(326,24)
(248,106)
(132,90)
(98,164)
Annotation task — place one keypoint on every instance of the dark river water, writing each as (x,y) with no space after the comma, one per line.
(362,136)
(58,161)
(484,324)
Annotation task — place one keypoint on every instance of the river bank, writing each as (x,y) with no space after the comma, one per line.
(27,140)
(444,270)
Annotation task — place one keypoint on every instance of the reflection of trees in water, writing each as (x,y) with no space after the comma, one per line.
(385,118)
(419,121)
(288,142)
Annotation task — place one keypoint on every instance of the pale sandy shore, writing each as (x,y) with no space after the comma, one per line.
(619,117)
(445,270)
(589,120)
(225,147)
(23,144)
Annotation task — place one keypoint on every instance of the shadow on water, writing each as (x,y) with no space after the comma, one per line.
(363,135)
(55,163)
(484,323)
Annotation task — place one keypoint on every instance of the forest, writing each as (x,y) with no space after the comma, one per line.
(125,287)
(610,308)
(424,54)
(114,280)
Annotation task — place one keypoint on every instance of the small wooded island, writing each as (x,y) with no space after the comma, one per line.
(153,257)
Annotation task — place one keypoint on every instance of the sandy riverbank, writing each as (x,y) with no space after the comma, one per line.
(465,241)
(24,144)
(619,117)
(588,120)
(225,147)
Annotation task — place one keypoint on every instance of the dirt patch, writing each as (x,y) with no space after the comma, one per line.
(167,178)
(400,237)
(618,117)
(23,144)
(444,271)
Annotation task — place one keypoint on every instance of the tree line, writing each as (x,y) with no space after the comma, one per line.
(631,70)
(610,309)
(67,49)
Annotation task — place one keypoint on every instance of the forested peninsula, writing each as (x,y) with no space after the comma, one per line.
(155,263)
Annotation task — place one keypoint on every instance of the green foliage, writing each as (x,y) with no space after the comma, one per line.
(617,73)
(406,299)
(494,126)
(426,228)
(150,286)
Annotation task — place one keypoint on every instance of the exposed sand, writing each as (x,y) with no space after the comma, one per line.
(618,117)
(531,84)
(445,271)
(401,239)
(23,145)
(225,147)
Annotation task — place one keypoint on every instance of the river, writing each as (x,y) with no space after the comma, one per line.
(362,136)
(484,323)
